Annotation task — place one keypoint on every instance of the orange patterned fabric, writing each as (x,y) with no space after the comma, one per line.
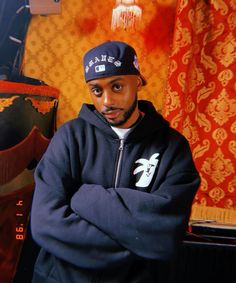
(201,100)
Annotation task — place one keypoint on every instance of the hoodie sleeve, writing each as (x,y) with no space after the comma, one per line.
(55,227)
(150,225)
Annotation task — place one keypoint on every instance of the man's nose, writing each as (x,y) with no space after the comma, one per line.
(108,98)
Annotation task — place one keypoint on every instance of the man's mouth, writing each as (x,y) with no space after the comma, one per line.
(111,114)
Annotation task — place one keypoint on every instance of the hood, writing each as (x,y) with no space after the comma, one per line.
(150,123)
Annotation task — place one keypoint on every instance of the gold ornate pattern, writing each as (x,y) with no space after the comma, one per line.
(233,4)
(225,51)
(218,167)
(176,119)
(208,62)
(222,108)
(232,148)
(199,15)
(232,185)
(225,76)
(173,66)
(196,77)
(173,100)
(208,74)
(181,80)
(182,37)
(219,135)
(211,36)
(201,149)
(205,91)
(220,6)
(204,185)
(190,131)
(233,127)
(190,105)
(182,5)
(42,106)
(217,194)
(232,21)
(187,56)
(6,102)
(203,122)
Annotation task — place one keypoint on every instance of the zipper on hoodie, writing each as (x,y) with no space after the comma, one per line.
(118,166)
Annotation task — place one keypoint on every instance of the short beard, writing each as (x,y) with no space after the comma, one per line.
(127,114)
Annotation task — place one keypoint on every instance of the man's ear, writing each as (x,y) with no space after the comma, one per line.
(139,82)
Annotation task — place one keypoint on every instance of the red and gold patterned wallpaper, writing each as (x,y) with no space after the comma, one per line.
(201,100)
(56,44)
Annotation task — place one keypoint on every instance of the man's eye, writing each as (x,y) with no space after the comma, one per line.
(96,91)
(117,87)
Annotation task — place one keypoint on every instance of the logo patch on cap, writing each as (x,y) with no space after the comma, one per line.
(100,68)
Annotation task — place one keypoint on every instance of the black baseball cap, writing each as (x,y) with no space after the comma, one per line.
(111,58)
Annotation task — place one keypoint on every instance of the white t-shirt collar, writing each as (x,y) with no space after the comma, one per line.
(121,132)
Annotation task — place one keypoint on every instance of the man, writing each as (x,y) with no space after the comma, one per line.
(114,189)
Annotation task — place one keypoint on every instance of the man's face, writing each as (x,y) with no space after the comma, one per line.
(116,98)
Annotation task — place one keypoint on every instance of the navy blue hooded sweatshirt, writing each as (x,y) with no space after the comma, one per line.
(110,210)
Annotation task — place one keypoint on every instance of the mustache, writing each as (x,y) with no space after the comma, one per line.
(107,109)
